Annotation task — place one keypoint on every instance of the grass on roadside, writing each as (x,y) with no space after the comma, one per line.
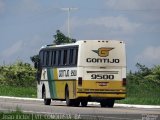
(140,101)
(30,92)
(145,95)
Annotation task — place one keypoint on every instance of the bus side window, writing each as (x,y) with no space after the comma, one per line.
(50,58)
(61,58)
(68,54)
(47,58)
(44,58)
(54,57)
(75,54)
(71,57)
(41,58)
(65,57)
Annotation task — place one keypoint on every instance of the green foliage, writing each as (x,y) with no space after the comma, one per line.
(18,74)
(60,38)
(143,70)
(143,86)
(145,75)
(35,58)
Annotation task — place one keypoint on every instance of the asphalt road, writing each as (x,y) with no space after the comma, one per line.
(58,110)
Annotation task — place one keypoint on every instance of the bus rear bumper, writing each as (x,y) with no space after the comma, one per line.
(102,95)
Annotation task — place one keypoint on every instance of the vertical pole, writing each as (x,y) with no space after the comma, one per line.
(69,35)
(68,22)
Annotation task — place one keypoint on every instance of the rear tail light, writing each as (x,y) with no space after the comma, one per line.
(79,81)
(124,82)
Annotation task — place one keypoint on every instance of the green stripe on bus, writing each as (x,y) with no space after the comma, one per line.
(54,86)
(51,83)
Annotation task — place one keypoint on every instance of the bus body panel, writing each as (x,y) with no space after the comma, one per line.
(109,54)
(55,80)
(102,68)
(105,85)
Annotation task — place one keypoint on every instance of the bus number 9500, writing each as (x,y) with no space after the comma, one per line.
(100,76)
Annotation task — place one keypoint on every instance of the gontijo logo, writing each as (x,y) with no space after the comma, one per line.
(103,51)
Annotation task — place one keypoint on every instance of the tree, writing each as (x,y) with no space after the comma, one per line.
(18,74)
(35,58)
(60,38)
(143,70)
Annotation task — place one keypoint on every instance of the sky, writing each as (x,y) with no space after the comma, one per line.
(26,25)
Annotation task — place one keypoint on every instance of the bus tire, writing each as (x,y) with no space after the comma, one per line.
(107,103)
(103,103)
(84,103)
(76,103)
(46,100)
(69,102)
(110,103)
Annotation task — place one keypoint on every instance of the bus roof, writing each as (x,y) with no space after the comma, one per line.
(81,42)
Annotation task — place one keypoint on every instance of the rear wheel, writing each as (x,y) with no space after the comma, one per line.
(84,103)
(69,102)
(110,103)
(103,104)
(46,100)
(76,103)
(107,103)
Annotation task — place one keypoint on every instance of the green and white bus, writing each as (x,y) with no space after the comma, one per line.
(88,70)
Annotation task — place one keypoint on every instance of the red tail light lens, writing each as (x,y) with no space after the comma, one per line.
(79,81)
(124,82)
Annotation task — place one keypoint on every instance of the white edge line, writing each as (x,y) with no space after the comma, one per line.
(21,98)
(92,103)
